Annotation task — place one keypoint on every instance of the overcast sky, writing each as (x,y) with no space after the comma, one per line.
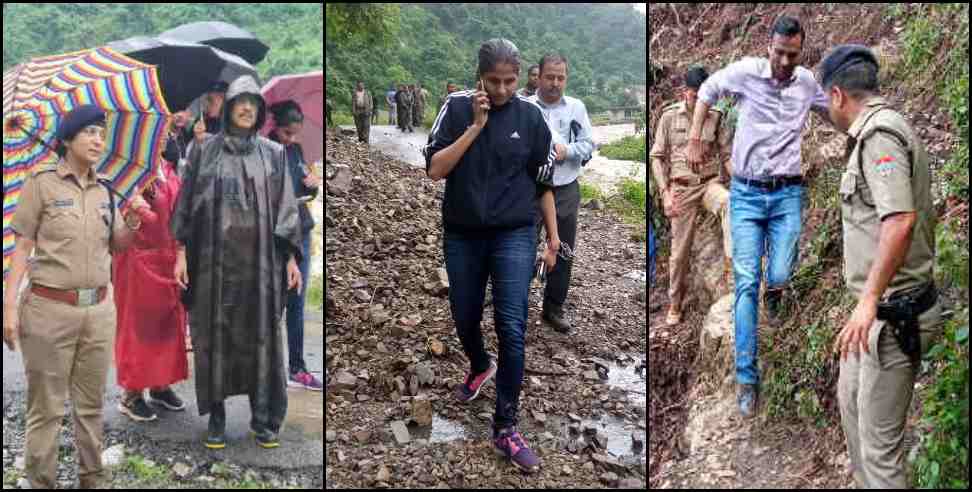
(643,7)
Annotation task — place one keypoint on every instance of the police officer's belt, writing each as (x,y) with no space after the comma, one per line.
(692,180)
(74,297)
(772,183)
(902,310)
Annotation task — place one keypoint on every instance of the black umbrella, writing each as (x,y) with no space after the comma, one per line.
(185,69)
(226,37)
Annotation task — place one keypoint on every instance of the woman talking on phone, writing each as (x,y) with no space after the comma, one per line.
(493,148)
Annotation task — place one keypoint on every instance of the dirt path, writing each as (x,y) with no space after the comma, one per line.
(724,451)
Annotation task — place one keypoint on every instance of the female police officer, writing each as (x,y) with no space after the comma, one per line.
(66,319)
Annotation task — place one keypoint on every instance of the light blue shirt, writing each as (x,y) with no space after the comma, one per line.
(772,115)
(559,115)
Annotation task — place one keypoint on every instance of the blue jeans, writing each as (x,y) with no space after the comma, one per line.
(651,254)
(295,313)
(507,257)
(763,223)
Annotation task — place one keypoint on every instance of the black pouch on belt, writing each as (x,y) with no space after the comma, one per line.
(901,311)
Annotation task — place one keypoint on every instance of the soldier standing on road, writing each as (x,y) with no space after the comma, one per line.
(418,105)
(361,107)
(405,101)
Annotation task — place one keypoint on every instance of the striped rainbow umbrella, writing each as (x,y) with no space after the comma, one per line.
(38,93)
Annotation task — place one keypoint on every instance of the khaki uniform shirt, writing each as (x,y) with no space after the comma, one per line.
(69,226)
(887,174)
(670,145)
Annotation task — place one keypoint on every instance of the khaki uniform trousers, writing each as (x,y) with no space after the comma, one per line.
(874,392)
(714,197)
(67,350)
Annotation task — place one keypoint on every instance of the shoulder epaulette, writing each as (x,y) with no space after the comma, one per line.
(44,168)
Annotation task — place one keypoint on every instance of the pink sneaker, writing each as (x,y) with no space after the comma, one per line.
(306,380)
(509,444)
(472,385)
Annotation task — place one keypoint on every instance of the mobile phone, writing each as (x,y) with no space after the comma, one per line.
(482,87)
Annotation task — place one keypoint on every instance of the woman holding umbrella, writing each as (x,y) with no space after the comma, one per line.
(67,211)
(66,323)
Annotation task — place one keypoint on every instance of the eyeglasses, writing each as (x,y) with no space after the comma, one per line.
(94,131)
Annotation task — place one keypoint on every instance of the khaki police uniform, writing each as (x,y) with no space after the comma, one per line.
(669,165)
(887,173)
(67,316)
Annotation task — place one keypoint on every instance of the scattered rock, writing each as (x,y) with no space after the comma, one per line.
(439,283)
(362,436)
(631,483)
(594,204)
(181,470)
(422,411)
(344,380)
(113,456)
(426,376)
(384,475)
(340,182)
(610,479)
(400,432)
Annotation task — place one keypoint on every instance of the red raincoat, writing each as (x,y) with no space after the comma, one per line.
(150,347)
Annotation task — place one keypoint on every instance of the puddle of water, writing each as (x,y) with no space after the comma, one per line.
(619,432)
(441,430)
(629,379)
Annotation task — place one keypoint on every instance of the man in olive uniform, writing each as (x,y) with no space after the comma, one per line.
(420,96)
(888,256)
(684,188)
(66,319)
(404,100)
(361,108)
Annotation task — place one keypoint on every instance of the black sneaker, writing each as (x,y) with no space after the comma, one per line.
(136,409)
(554,316)
(167,399)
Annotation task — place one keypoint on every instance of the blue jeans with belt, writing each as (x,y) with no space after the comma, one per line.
(766,223)
(507,258)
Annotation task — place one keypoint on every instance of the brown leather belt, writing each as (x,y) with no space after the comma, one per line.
(692,181)
(77,297)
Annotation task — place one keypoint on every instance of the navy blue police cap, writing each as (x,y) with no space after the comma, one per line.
(843,57)
(78,118)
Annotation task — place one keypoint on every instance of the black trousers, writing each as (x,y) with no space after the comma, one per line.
(567,200)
